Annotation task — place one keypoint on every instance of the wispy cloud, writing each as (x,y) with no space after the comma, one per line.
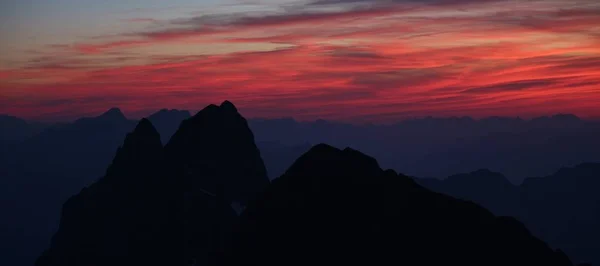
(367,57)
(141,20)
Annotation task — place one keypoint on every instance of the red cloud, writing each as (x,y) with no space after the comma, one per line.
(380,63)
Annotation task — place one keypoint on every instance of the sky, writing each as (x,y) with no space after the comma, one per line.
(346,60)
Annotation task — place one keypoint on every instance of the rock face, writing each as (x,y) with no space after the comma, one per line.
(339,207)
(163,206)
(215,150)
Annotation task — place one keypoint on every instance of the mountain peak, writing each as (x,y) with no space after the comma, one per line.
(166,112)
(141,145)
(145,127)
(216,146)
(323,159)
(329,192)
(227,105)
(113,113)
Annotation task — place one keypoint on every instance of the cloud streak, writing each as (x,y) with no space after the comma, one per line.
(336,59)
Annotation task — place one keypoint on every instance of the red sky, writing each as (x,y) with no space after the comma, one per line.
(367,60)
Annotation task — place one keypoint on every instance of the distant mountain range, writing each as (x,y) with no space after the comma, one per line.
(172,205)
(43,165)
(427,147)
(563,208)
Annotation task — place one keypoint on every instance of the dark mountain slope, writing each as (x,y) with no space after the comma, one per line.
(155,206)
(493,190)
(562,209)
(44,170)
(118,219)
(340,207)
(215,149)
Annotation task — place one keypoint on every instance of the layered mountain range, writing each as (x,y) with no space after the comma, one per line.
(192,175)
(563,208)
(175,205)
(163,205)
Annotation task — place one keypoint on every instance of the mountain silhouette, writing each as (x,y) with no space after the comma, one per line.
(174,203)
(113,114)
(118,219)
(562,209)
(83,147)
(15,130)
(42,171)
(440,147)
(491,190)
(338,207)
(42,164)
(215,149)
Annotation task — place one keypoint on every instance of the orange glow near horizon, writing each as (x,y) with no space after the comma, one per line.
(378,63)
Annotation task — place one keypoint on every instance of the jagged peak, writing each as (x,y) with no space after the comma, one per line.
(322,147)
(228,106)
(208,108)
(169,111)
(145,127)
(326,158)
(113,113)
(143,137)
(141,145)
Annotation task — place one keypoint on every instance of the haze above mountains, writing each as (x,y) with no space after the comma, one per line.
(46,164)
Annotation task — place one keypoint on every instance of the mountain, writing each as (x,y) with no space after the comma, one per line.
(339,207)
(490,189)
(173,202)
(84,146)
(41,169)
(117,219)
(15,130)
(215,148)
(440,147)
(563,209)
(40,172)
(167,121)
(44,170)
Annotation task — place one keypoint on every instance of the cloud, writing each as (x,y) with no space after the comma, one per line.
(141,20)
(519,85)
(382,60)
